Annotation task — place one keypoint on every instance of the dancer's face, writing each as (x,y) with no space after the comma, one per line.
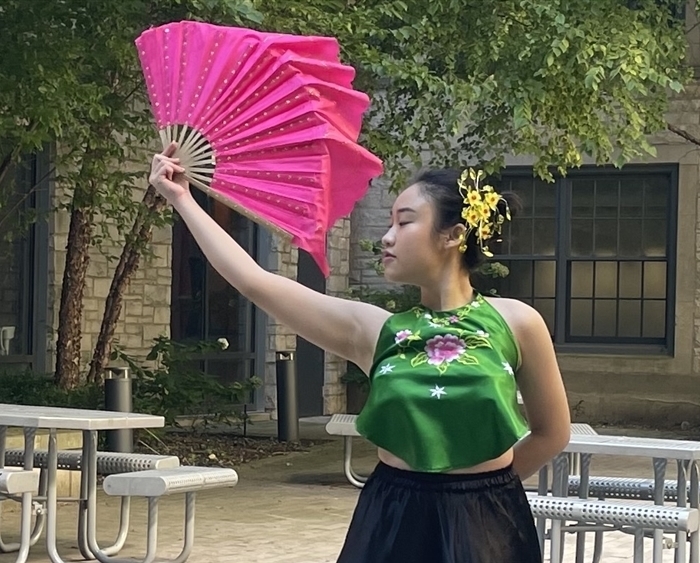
(411,247)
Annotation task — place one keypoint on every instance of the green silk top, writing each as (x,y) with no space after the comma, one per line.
(443,394)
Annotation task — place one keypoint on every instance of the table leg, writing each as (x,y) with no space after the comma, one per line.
(542,490)
(83,510)
(90,463)
(51,499)
(584,467)
(682,500)
(659,490)
(694,503)
(560,472)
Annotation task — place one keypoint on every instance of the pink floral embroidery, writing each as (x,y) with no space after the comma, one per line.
(454,319)
(444,349)
(402,335)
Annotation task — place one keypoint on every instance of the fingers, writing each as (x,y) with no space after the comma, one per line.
(170,149)
(164,168)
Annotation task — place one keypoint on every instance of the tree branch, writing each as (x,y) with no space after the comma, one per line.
(684,134)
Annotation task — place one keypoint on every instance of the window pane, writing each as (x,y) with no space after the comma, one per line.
(16,272)
(582,190)
(523,186)
(545,234)
(655,280)
(606,237)
(229,371)
(631,194)
(654,324)
(545,278)
(518,284)
(546,309)
(581,237)
(630,237)
(606,195)
(581,322)
(630,320)
(631,279)
(655,237)
(656,189)
(606,279)
(582,279)
(605,318)
(545,199)
(521,236)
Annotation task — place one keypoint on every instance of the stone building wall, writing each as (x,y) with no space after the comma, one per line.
(146,312)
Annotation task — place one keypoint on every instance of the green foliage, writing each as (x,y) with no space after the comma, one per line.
(28,388)
(171,384)
(355,376)
(69,74)
(471,81)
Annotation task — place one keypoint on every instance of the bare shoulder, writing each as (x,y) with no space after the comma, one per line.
(519,315)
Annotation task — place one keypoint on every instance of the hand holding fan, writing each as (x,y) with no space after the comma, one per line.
(266,123)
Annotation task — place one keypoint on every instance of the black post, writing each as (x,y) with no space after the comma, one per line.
(287,404)
(118,398)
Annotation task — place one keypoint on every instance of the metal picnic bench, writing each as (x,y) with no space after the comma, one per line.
(127,475)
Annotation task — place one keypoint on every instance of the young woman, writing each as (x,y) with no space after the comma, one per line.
(442,409)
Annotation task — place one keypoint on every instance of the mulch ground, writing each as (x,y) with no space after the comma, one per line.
(217,450)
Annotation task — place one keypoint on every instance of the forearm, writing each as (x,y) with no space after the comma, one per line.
(534,451)
(224,254)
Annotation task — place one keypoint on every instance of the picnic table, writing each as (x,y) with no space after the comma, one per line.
(89,422)
(686,454)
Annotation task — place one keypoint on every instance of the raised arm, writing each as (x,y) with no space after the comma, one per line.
(347,328)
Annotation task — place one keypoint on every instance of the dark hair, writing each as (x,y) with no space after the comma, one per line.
(442,187)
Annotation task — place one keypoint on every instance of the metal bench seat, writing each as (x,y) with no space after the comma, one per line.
(18,481)
(617,515)
(623,488)
(154,484)
(108,463)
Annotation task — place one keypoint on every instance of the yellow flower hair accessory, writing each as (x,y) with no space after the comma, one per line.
(480,211)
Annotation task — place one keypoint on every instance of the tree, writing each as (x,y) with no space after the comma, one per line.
(70,76)
(471,81)
(464,81)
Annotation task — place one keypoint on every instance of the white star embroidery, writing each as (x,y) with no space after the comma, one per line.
(386,368)
(438,392)
(482,333)
(508,368)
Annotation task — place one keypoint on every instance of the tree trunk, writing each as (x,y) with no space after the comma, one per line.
(141,234)
(72,291)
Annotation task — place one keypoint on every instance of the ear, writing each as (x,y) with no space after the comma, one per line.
(455,236)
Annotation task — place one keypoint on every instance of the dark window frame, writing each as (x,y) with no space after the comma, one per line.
(35,314)
(563,259)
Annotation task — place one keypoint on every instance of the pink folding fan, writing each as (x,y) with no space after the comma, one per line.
(266,123)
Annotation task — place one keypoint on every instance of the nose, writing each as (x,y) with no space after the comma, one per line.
(388,238)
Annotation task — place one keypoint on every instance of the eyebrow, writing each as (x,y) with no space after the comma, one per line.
(404,209)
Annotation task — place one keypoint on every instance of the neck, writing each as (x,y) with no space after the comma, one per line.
(450,292)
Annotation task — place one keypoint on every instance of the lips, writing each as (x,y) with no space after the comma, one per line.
(387,256)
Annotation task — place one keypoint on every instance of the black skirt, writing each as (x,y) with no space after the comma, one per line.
(411,517)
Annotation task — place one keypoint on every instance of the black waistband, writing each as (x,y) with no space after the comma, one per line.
(444,481)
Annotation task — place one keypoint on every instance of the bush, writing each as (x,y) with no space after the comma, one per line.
(29,388)
(171,384)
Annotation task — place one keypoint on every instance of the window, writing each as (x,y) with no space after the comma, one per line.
(594,253)
(23,264)
(205,306)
